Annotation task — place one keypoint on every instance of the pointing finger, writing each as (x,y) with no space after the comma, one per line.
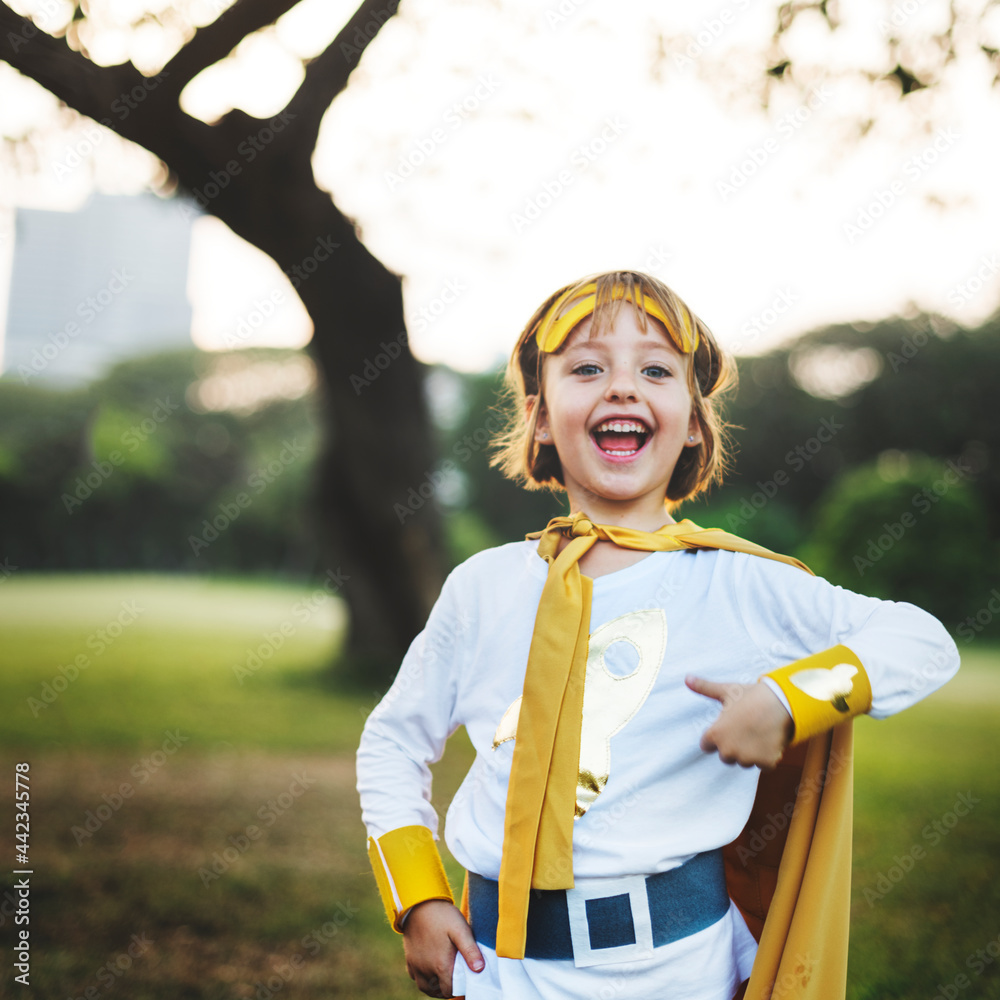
(708,688)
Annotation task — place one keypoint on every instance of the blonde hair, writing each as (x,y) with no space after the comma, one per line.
(710,372)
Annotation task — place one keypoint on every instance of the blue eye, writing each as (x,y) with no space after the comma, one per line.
(587,368)
(656,371)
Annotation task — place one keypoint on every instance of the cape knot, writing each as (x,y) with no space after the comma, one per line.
(581,526)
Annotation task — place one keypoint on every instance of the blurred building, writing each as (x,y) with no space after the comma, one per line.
(94,287)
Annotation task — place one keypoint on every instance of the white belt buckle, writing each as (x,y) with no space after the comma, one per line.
(579,927)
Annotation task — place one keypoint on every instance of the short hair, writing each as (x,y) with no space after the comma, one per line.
(711,371)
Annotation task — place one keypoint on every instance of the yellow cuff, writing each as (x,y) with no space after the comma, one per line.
(408,870)
(824,690)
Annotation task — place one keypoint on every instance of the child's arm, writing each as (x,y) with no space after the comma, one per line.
(403,735)
(893,653)
(433,932)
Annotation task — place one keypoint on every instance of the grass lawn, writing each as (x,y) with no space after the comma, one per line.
(195,830)
(926,886)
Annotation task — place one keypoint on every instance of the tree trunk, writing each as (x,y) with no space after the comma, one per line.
(379,438)
(379,443)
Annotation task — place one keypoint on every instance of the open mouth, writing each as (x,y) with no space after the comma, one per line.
(620,438)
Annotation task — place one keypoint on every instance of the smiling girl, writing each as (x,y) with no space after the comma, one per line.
(610,671)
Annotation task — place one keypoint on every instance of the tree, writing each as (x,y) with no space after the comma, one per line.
(379,443)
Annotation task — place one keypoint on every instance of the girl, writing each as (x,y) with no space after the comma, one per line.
(610,671)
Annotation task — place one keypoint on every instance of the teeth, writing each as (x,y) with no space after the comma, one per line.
(622,427)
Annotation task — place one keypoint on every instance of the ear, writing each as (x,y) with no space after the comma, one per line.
(542,433)
(695,436)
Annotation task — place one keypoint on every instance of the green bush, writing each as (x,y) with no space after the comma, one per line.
(133,472)
(906,528)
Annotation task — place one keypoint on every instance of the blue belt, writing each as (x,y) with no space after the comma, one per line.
(611,920)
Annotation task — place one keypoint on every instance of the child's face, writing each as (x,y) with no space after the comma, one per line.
(618,409)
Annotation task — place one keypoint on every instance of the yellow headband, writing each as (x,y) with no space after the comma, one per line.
(552,332)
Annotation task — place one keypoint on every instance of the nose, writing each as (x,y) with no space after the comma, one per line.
(622,385)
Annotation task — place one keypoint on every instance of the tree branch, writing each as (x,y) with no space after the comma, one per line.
(190,147)
(216,40)
(67,74)
(138,108)
(327,74)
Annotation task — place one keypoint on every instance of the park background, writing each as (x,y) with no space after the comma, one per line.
(189,624)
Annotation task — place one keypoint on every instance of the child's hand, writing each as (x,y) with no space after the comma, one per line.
(433,932)
(753,726)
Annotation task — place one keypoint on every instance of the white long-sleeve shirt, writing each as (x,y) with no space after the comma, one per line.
(724,616)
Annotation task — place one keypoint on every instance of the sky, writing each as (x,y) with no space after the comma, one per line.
(492,151)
